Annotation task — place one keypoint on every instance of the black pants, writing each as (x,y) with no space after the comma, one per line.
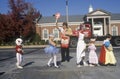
(65,54)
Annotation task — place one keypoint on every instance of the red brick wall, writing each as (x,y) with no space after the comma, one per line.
(73,27)
(50,28)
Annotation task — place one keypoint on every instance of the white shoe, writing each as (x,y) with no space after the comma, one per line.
(20,67)
(48,65)
(85,64)
(79,66)
(56,66)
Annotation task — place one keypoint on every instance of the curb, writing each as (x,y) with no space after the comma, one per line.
(36,46)
(27,46)
(97,43)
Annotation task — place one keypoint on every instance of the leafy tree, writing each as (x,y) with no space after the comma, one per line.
(23,14)
(6,32)
(20,21)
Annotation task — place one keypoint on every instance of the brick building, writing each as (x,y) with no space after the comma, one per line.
(103,22)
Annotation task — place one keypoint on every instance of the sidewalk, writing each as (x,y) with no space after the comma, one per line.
(25,46)
(97,43)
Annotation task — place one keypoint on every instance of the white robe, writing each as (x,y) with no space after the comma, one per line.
(81,45)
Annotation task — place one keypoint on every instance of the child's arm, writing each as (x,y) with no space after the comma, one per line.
(52,43)
(57,23)
(19,49)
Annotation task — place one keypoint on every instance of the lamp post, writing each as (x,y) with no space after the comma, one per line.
(67,11)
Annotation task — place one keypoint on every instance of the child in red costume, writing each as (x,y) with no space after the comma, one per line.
(19,52)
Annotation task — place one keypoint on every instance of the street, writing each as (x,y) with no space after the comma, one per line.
(35,67)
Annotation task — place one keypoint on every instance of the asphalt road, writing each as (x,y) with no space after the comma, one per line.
(35,66)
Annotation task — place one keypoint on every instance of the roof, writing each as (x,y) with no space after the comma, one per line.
(72,18)
(100,10)
(115,16)
(78,18)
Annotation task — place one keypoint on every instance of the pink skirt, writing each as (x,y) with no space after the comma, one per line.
(93,58)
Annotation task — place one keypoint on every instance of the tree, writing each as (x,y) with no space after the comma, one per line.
(6,32)
(19,21)
(22,15)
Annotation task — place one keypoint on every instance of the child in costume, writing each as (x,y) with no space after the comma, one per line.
(52,50)
(19,52)
(80,51)
(106,55)
(93,58)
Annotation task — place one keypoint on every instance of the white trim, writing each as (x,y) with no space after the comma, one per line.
(47,24)
(115,21)
(116,29)
(95,16)
(43,34)
(57,32)
(98,13)
(75,23)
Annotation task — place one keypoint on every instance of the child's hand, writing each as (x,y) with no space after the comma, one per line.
(55,45)
(57,16)
(19,49)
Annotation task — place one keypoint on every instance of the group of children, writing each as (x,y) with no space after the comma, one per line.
(106,56)
(81,50)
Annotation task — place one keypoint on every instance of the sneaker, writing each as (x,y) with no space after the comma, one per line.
(56,66)
(20,67)
(85,64)
(48,65)
(79,66)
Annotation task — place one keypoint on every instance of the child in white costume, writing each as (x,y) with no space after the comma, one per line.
(81,46)
(19,52)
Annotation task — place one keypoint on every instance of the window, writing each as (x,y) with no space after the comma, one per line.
(56,33)
(45,34)
(114,30)
(97,29)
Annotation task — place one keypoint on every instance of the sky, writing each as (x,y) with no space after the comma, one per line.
(75,7)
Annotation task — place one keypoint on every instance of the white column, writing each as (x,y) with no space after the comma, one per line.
(105,29)
(92,26)
(87,19)
(109,25)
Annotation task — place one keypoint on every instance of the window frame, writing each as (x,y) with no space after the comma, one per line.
(43,34)
(55,29)
(114,30)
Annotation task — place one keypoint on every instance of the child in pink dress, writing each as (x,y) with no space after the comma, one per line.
(93,58)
